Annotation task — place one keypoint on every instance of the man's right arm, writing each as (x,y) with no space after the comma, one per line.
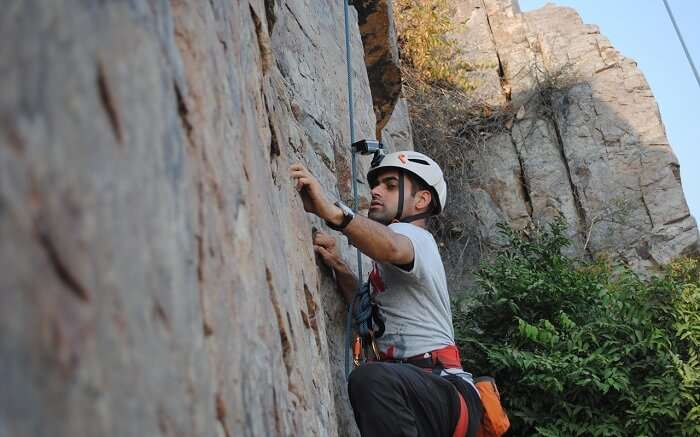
(324,245)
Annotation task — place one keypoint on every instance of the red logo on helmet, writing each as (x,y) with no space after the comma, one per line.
(402,158)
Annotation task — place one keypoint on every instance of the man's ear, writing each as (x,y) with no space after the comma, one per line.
(423,199)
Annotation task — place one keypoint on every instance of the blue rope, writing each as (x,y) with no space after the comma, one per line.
(363,311)
(361,300)
(350,103)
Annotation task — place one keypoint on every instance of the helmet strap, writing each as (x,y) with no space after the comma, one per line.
(399,210)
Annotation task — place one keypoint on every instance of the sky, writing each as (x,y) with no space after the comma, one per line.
(642,30)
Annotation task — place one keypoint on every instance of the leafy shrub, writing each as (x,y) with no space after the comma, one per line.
(581,348)
(423,29)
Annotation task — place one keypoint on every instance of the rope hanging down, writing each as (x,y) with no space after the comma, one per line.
(680,38)
(348,322)
(365,312)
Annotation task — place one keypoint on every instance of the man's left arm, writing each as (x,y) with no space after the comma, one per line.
(373,239)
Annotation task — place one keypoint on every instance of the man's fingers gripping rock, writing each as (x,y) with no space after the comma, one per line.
(324,240)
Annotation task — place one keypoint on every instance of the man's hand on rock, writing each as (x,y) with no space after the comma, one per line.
(315,201)
(324,246)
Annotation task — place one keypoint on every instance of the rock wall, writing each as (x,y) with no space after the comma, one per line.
(157,270)
(158,276)
(585,141)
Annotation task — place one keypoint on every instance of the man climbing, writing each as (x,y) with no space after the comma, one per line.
(410,390)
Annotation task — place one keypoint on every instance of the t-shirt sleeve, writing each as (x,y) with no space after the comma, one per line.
(417,237)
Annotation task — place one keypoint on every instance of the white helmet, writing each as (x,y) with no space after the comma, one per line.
(419,165)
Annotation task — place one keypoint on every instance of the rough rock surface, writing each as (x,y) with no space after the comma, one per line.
(158,276)
(157,270)
(586,141)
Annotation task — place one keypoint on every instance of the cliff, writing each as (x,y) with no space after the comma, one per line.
(582,139)
(157,270)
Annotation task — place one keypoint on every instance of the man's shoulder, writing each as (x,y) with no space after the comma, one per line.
(424,244)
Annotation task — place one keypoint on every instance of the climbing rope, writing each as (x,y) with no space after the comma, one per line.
(351,112)
(365,311)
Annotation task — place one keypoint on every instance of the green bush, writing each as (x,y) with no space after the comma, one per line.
(582,348)
(424,29)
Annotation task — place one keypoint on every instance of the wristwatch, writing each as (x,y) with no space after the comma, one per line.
(348,215)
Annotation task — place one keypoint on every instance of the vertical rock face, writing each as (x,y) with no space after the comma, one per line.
(157,270)
(586,141)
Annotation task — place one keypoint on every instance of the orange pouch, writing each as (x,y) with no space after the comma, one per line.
(495,421)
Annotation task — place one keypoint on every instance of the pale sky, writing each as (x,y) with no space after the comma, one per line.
(641,30)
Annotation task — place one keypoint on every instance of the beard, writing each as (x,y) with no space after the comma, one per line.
(381,215)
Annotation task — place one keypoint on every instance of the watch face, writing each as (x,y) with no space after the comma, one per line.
(345,208)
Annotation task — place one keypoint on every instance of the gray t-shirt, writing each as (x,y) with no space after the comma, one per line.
(416,303)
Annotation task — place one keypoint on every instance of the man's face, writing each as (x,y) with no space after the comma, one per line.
(385,196)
